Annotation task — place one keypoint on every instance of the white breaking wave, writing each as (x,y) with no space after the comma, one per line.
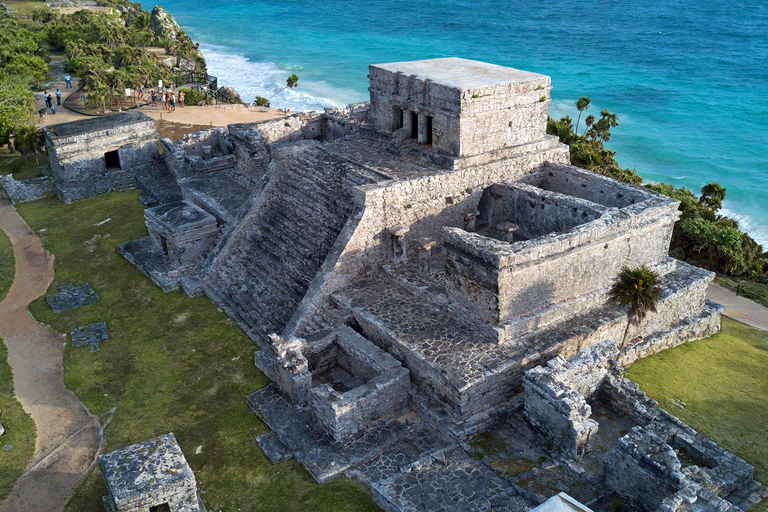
(251,78)
(759,232)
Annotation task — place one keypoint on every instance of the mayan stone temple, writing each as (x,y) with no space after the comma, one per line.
(426,277)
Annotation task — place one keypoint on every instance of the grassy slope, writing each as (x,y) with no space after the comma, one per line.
(724,383)
(172,364)
(20,429)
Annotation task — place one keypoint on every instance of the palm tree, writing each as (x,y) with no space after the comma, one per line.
(27,140)
(292,82)
(636,290)
(589,121)
(582,104)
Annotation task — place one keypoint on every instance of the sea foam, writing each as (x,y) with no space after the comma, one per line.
(251,79)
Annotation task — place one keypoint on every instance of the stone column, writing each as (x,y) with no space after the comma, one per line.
(407,121)
(422,128)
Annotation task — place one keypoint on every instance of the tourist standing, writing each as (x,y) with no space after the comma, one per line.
(154,98)
(53,107)
(58,97)
(173,102)
(162,100)
(182,97)
(68,79)
(45,99)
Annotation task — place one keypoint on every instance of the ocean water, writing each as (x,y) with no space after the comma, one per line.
(687,78)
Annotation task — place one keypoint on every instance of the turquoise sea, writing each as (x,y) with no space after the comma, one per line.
(687,78)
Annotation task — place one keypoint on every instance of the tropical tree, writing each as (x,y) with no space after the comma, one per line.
(712,195)
(16,102)
(290,83)
(28,139)
(582,104)
(635,289)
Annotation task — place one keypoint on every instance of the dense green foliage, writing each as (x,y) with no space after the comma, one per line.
(172,364)
(23,65)
(260,101)
(588,150)
(718,386)
(635,289)
(192,97)
(702,236)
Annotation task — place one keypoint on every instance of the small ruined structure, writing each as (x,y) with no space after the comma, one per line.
(409,266)
(150,476)
(101,154)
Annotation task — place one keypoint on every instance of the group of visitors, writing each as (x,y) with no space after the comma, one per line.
(48,98)
(167,99)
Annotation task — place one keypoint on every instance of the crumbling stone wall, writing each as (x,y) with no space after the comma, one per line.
(643,469)
(102,154)
(528,277)
(24,191)
(555,400)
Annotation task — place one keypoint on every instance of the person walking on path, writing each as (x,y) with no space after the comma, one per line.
(53,107)
(162,100)
(46,98)
(68,79)
(173,103)
(58,97)
(182,97)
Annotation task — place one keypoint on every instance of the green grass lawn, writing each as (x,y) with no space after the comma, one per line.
(172,364)
(20,430)
(7,264)
(723,381)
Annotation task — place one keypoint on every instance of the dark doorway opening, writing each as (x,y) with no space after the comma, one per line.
(397,114)
(112,159)
(163,507)
(164,243)
(429,130)
(414,125)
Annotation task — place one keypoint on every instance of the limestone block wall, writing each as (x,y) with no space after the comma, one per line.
(78,164)
(572,181)
(539,212)
(425,204)
(173,156)
(465,121)
(251,155)
(555,396)
(560,413)
(534,275)
(23,191)
(342,415)
(643,469)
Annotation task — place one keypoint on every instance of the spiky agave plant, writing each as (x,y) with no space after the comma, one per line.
(636,290)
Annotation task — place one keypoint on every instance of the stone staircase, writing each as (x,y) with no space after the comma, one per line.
(263,273)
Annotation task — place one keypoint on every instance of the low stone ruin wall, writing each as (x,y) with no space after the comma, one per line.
(342,415)
(717,470)
(643,469)
(24,191)
(556,397)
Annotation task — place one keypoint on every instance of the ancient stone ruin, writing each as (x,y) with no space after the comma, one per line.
(421,270)
(150,476)
(101,154)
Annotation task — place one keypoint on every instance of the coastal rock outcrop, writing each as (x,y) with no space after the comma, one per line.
(230,95)
(163,25)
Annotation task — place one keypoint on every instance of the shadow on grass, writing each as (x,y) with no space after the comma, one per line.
(172,364)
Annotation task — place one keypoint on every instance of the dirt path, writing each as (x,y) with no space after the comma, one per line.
(739,308)
(68,437)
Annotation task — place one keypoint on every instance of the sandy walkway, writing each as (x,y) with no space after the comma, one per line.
(212,115)
(68,437)
(739,308)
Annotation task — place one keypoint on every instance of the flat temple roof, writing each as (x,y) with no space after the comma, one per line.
(100,123)
(460,73)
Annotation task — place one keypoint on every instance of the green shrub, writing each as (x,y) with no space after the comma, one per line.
(192,97)
(260,101)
